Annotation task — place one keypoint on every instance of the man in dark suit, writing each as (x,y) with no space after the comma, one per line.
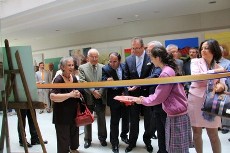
(193,53)
(138,66)
(110,72)
(95,97)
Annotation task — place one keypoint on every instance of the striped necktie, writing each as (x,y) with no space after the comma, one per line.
(139,65)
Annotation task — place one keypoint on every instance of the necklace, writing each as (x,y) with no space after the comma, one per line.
(66,78)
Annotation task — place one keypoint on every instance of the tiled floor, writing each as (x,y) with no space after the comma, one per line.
(48,133)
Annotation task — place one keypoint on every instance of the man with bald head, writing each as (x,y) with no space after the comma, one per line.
(95,97)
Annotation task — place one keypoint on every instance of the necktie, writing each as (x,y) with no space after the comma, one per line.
(94,72)
(119,74)
(139,65)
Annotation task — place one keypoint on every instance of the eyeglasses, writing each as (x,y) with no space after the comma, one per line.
(138,48)
(94,57)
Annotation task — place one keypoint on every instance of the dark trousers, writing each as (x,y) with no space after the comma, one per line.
(134,124)
(116,114)
(26,113)
(99,108)
(160,125)
(147,125)
(67,137)
(154,123)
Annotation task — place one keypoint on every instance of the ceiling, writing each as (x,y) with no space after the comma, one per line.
(63,17)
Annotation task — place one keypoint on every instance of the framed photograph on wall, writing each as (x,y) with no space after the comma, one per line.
(78,56)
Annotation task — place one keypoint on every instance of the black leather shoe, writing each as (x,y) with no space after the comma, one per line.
(115,149)
(154,137)
(28,144)
(125,140)
(87,144)
(103,142)
(38,142)
(149,148)
(129,148)
(224,131)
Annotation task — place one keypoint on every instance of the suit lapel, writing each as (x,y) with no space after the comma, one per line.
(144,66)
(113,73)
(134,65)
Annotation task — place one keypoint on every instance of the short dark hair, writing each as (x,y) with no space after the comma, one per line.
(116,54)
(138,39)
(40,63)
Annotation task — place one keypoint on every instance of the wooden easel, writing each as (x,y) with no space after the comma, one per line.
(11,86)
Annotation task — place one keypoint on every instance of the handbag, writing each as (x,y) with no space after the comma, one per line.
(216,103)
(83,116)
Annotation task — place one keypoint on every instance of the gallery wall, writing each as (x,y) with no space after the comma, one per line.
(108,39)
(107,47)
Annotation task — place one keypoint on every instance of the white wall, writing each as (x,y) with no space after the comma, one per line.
(195,25)
(152,28)
(60,52)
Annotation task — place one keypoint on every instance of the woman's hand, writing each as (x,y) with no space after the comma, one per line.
(75,94)
(220,70)
(138,100)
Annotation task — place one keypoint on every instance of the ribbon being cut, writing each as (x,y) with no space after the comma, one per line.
(142,82)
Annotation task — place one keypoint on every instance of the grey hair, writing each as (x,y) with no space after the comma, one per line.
(155,43)
(92,50)
(171,46)
(64,60)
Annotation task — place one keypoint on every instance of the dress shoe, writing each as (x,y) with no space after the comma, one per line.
(154,137)
(87,144)
(28,144)
(129,148)
(224,131)
(149,148)
(125,140)
(38,142)
(103,142)
(115,149)
(229,139)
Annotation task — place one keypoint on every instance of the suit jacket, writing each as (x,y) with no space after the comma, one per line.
(180,64)
(199,66)
(107,72)
(86,75)
(52,74)
(186,68)
(131,73)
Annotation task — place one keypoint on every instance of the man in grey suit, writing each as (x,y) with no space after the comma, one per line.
(95,97)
